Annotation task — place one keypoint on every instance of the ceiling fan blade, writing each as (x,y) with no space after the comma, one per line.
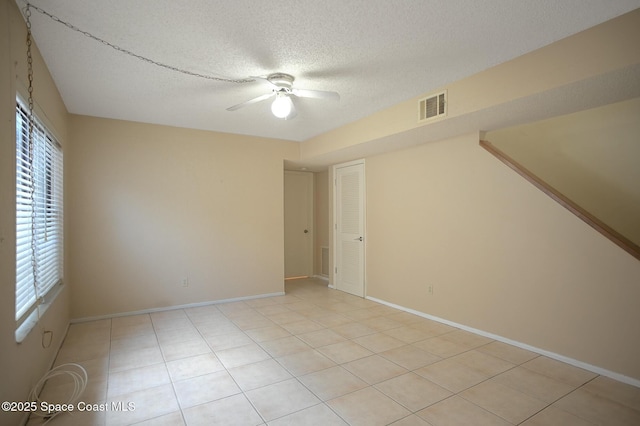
(316,94)
(251,101)
(266,80)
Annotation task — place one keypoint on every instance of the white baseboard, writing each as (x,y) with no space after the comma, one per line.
(321,277)
(169,308)
(576,363)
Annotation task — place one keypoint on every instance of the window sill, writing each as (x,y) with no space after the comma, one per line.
(31,321)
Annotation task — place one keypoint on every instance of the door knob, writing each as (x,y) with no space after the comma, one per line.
(358,239)
(306,231)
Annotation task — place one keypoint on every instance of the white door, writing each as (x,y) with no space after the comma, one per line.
(298,224)
(349,202)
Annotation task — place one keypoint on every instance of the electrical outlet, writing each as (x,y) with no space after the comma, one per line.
(185,282)
(430,290)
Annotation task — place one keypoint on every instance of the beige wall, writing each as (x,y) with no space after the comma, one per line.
(502,256)
(590,156)
(321,218)
(22,365)
(151,205)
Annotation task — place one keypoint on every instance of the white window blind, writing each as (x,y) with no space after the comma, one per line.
(39,238)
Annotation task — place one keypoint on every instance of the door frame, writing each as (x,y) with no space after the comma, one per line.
(334,231)
(309,176)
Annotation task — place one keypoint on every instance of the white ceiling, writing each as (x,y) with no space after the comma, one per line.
(375,53)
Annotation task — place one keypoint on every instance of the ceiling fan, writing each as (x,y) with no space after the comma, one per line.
(281,87)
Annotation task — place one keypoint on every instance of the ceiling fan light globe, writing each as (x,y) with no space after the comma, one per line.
(282,106)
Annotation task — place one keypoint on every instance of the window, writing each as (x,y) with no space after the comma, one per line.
(39,238)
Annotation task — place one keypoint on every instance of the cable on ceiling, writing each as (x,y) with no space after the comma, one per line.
(130,53)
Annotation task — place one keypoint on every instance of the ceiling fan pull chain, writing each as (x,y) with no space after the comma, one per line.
(31,157)
(130,53)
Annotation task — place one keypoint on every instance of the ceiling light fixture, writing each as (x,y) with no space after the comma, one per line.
(283,92)
(282,106)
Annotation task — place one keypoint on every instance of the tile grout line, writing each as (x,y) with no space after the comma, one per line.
(327,302)
(106,391)
(297,378)
(175,394)
(225,369)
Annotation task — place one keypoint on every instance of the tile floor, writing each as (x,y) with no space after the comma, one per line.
(318,356)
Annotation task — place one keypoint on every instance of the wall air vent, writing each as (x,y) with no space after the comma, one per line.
(433,106)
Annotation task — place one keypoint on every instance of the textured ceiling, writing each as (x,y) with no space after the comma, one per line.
(375,53)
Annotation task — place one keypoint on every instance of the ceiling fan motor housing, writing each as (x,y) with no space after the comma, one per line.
(282,89)
(281,80)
